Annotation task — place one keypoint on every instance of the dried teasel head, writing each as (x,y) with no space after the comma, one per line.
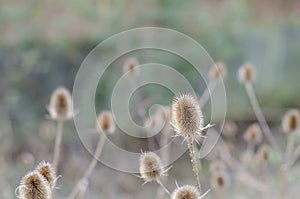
(291,121)
(61,105)
(263,154)
(217,166)
(130,66)
(151,167)
(229,130)
(47,171)
(253,134)
(217,71)
(220,181)
(186,192)
(246,73)
(105,123)
(187,118)
(34,186)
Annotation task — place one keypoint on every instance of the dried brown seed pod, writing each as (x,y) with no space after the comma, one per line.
(220,181)
(253,134)
(47,171)
(246,73)
(61,105)
(217,71)
(151,167)
(130,66)
(291,121)
(187,118)
(34,186)
(186,192)
(105,123)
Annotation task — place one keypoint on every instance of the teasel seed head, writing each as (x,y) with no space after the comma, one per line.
(217,166)
(253,134)
(186,192)
(47,171)
(187,118)
(229,130)
(263,154)
(34,186)
(291,121)
(217,71)
(61,105)
(246,73)
(105,123)
(220,181)
(151,167)
(130,66)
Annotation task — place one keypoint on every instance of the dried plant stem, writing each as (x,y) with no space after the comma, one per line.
(163,187)
(249,153)
(206,94)
(289,147)
(91,167)
(260,117)
(57,145)
(285,165)
(294,157)
(194,162)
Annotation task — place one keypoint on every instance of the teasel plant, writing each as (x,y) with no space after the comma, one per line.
(188,123)
(60,110)
(247,76)
(290,126)
(152,170)
(253,137)
(38,184)
(218,71)
(105,125)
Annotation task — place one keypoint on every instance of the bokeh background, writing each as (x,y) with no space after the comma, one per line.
(42,44)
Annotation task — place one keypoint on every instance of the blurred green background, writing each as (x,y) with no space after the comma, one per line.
(42,44)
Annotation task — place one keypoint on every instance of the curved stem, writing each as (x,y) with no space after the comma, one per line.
(260,117)
(57,145)
(163,187)
(206,94)
(194,162)
(91,167)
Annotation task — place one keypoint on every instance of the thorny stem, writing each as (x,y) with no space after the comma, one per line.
(260,117)
(57,145)
(206,94)
(194,162)
(91,168)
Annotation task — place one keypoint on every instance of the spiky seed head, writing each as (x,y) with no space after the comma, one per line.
(34,186)
(291,121)
(253,134)
(246,73)
(151,167)
(47,171)
(186,192)
(130,66)
(61,105)
(187,117)
(220,181)
(217,71)
(263,154)
(217,166)
(229,130)
(105,123)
